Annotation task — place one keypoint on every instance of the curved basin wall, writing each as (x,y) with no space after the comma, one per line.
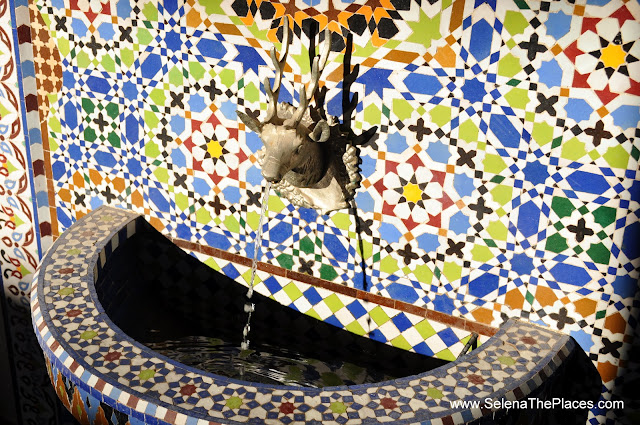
(99,370)
(154,292)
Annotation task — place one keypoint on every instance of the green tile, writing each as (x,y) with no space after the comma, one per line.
(379,316)
(292,291)
(424,328)
(401,342)
(334,303)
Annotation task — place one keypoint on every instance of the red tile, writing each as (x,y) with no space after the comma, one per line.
(170,416)
(133,401)
(410,308)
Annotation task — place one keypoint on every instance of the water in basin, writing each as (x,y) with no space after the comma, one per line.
(181,308)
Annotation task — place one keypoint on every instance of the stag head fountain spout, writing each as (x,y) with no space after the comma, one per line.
(308,159)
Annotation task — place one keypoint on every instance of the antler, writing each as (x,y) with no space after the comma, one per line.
(319,63)
(274,92)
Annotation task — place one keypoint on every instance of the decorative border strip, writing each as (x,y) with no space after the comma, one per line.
(458,322)
(31,118)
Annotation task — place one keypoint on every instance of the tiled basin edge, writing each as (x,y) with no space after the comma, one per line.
(97,370)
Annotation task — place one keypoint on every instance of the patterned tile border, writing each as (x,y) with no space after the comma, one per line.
(448,319)
(82,344)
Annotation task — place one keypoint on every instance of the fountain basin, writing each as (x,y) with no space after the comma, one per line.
(103,375)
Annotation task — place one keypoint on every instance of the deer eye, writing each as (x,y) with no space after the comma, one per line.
(298,150)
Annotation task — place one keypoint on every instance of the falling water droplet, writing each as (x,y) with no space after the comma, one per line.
(249,307)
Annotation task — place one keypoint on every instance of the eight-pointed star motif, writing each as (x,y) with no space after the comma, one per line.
(610,55)
(214,153)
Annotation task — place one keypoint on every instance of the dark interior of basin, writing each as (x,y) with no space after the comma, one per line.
(181,308)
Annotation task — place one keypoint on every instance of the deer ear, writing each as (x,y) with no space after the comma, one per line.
(250,122)
(321,132)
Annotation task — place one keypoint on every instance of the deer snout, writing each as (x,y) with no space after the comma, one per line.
(271,170)
(272,179)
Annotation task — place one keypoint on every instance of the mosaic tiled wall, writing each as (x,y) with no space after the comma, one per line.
(503,180)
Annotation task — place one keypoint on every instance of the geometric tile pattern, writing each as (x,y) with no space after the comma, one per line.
(93,358)
(502,181)
(381,323)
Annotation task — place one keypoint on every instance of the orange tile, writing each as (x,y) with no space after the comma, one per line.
(442,232)
(578,10)
(545,296)
(514,299)
(607,371)
(370,62)
(450,39)
(585,307)
(401,56)
(247,20)
(118,184)
(451,168)
(156,223)
(408,236)
(615,323)
(482,315)
(78,179)
(376,40)
(381,155)
(446,57)
(335,75)
(95,177)
(603,111)
(254,43)
(377,216)
(556,50)
(564,91)
(65,195)
(137,199)
(194,19)
(457,14)
(366,11)
(460,203)
(379,12)
(298,18)
(224,28)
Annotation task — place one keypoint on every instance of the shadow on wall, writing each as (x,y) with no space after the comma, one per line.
(25,386)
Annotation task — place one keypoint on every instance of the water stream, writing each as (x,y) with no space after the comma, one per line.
(249,306)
